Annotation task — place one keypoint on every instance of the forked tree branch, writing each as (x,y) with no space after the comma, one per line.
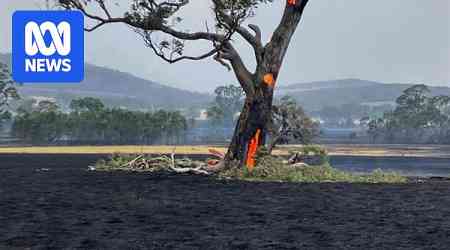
(103,22)
(244,76)
(253,40)
(148,25)
(148,41)
(153,19)
(257,31)
(282,35)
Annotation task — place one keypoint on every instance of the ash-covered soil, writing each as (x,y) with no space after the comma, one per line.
(53,202)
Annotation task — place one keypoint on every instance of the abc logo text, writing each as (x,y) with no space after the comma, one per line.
(48,46)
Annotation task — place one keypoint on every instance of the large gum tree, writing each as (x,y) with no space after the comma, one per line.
(150,17)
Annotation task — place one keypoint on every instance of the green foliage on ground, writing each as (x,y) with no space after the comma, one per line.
(314,151)
(268,168)
(114,161)
(272,168)
(133,162)
(277,171)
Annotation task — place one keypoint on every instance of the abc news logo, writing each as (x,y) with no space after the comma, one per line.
(60,43)
(48,46)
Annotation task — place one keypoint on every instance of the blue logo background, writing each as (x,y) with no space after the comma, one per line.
(76,55)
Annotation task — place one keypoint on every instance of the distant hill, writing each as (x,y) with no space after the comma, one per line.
(115,88)
(315,95)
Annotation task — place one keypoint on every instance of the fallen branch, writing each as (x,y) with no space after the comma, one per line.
(132,162)
(197,170)
(158,163)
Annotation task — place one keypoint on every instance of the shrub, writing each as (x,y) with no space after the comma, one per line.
(273,168)
(268,168)
(310,154)
(114,161)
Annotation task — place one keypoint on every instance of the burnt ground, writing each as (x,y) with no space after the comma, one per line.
(53,202)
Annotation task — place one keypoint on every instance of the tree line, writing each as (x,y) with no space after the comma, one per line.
(90,122)
(417,118)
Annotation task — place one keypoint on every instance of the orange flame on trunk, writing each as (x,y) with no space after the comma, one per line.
(269,80)
(251,151)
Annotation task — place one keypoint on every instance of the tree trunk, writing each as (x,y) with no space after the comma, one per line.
(251,128)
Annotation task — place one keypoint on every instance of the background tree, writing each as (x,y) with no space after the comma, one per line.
(7,91)
(42,124)
(290,124)
(417,118)
(227,103)
(87,120)
(86,104)
(149,17)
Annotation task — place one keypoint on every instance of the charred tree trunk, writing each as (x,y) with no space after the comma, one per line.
(251,128)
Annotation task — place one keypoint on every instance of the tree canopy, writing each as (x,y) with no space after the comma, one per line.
(290,124)
(417,118)
(7,91)
(227,103)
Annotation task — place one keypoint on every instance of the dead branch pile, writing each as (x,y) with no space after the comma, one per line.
(151,163)
(157,163)
(166,163)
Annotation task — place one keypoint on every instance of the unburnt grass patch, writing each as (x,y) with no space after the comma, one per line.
(267,168)
(273,168)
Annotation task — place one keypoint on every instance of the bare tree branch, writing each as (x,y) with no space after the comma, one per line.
(244,77)
(221,61)
(103,22)
(103,7)
(148,25)
(283,33)
(148,41)
(257,31)
(253,40)
(151,16)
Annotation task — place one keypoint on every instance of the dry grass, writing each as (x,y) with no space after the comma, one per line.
(380,150)
(351,150)
(110,149)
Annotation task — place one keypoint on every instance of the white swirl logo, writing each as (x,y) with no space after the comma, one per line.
(60,38)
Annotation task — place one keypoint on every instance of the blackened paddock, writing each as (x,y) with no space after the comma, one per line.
(53,202)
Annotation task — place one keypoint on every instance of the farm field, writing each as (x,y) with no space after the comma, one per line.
(415,160)
(436,151)
(53,202)
(125,149)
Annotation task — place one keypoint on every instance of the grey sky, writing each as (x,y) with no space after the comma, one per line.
(404,41)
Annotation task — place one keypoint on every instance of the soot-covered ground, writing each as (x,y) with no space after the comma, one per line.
(53,202)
